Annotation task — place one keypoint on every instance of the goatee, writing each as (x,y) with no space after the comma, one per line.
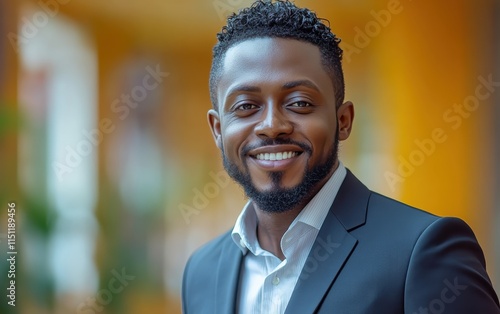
(280,199)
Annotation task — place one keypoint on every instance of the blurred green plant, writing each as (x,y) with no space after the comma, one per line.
(10,120)
(34,286)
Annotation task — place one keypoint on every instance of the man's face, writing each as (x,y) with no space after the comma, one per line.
(277,122)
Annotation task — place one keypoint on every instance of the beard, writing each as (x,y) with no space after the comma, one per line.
(280,199)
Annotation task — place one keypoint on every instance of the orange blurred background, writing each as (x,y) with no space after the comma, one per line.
(106,152)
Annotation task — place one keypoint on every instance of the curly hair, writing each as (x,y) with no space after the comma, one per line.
(279,19)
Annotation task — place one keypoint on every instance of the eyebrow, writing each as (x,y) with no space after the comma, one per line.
(305,83)
(286,86)
(243,88)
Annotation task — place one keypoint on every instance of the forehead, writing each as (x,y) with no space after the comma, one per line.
(272,62)
(271,49)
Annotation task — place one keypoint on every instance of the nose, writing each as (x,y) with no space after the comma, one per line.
(274,123)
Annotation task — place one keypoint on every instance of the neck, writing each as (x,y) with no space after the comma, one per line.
(271,227)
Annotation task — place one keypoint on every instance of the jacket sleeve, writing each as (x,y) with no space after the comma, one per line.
(447,272)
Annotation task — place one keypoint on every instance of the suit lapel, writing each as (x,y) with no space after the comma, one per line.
(228,273)
(332,247)
(328,254)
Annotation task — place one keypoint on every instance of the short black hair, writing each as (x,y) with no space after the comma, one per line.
(279,19)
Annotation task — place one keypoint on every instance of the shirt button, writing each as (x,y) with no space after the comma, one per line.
(276,280)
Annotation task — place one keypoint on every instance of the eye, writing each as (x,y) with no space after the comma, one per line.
(300,104)
(246,106)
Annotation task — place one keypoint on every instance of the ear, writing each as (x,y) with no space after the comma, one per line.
(214,123)
(345,117)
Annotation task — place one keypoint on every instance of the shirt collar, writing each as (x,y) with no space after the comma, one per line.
(245,228)
(313,214)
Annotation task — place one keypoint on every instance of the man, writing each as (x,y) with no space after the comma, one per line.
(312,238)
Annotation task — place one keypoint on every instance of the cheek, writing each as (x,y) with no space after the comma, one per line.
(321,135)
(233,139)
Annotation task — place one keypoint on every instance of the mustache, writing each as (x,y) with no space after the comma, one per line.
(276,141)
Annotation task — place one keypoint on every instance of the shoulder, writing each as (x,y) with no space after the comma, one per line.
(447,270)
(199,278)
(356,205)
(404,225)
(443,261)
(213,248)
(208,255)
(391,218)
(383,204)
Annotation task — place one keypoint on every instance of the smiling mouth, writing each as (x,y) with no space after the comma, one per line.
(276,156)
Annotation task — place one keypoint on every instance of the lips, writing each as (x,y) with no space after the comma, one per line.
(276,156)
(275,152)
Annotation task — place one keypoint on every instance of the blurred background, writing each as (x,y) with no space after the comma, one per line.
(107,155)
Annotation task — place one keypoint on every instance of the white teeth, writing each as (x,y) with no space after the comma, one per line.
(276,156)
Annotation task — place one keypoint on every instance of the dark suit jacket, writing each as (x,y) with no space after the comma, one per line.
(372,255)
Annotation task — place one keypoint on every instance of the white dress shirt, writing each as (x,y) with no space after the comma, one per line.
(266,282)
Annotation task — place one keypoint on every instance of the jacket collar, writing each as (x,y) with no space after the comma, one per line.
(332,248)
